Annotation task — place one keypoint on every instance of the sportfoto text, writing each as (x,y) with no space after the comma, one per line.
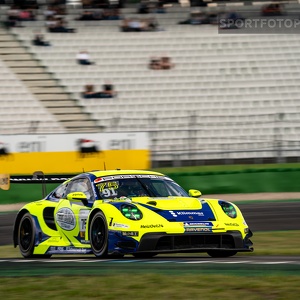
(260,23)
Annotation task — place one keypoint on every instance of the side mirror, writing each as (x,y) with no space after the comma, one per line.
(78,197)
(195,193)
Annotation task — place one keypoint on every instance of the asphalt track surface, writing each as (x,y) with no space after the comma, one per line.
(263,216)
(237,265)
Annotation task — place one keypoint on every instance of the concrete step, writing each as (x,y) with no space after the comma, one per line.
(64,110)
(15,57)
(60,103)
(47,90)
(23,63)
(52,96)
(35,77)
(15,50)
(40,83)
(2,30)
(79,124)
(25,70)
(72,117)
(6,38)
(9,44)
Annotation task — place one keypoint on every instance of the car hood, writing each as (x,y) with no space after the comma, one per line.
(174,203)
(180,209)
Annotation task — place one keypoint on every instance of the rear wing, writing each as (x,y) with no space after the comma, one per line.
(36,177)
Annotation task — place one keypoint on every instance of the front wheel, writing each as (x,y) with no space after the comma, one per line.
(219,253)
(98,235)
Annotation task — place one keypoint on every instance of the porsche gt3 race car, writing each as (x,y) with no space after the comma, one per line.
(115,213)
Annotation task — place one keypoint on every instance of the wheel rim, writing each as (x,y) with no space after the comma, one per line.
(98,235)
(26,234)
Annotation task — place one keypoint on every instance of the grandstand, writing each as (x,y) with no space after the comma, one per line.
(232,97)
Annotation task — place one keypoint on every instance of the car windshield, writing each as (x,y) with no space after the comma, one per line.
(138,186)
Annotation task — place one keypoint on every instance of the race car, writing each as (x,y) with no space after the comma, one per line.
(113,213)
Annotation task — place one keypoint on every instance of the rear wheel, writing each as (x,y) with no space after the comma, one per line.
(219,253)
(26,238)
(98,235)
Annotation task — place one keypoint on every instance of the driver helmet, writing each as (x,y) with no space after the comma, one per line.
(135,188)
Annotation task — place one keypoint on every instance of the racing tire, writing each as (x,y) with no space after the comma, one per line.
(220,253)
(26,236)
(98,235)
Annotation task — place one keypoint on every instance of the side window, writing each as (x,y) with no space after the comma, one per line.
(81,185)
(60,192)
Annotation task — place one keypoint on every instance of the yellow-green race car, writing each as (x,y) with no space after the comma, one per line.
(120,212)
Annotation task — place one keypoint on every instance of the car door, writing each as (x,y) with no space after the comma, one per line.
(71,215)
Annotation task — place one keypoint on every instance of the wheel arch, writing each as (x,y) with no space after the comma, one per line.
(91,215)
(20,215)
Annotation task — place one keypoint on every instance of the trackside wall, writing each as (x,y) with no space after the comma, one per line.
(73,153)
(243,181)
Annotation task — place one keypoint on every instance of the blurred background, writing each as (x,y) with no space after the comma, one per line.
(204,94)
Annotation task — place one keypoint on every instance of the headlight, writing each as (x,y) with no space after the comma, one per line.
(131,212)
(228,209)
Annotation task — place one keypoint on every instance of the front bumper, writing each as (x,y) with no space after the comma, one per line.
(166,243)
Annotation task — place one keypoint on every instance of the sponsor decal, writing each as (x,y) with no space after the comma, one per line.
(197,213)
(184,213)
(116,177)
(197,224)
(77,195)
(147,176)
(98,180)
(65,218)
(198,229)
(119,225)
(130,233)
(152,226)
(83,215)
(172,213)
(231,224)
(84,241)
(68,250)
(128,176)
(112,185)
